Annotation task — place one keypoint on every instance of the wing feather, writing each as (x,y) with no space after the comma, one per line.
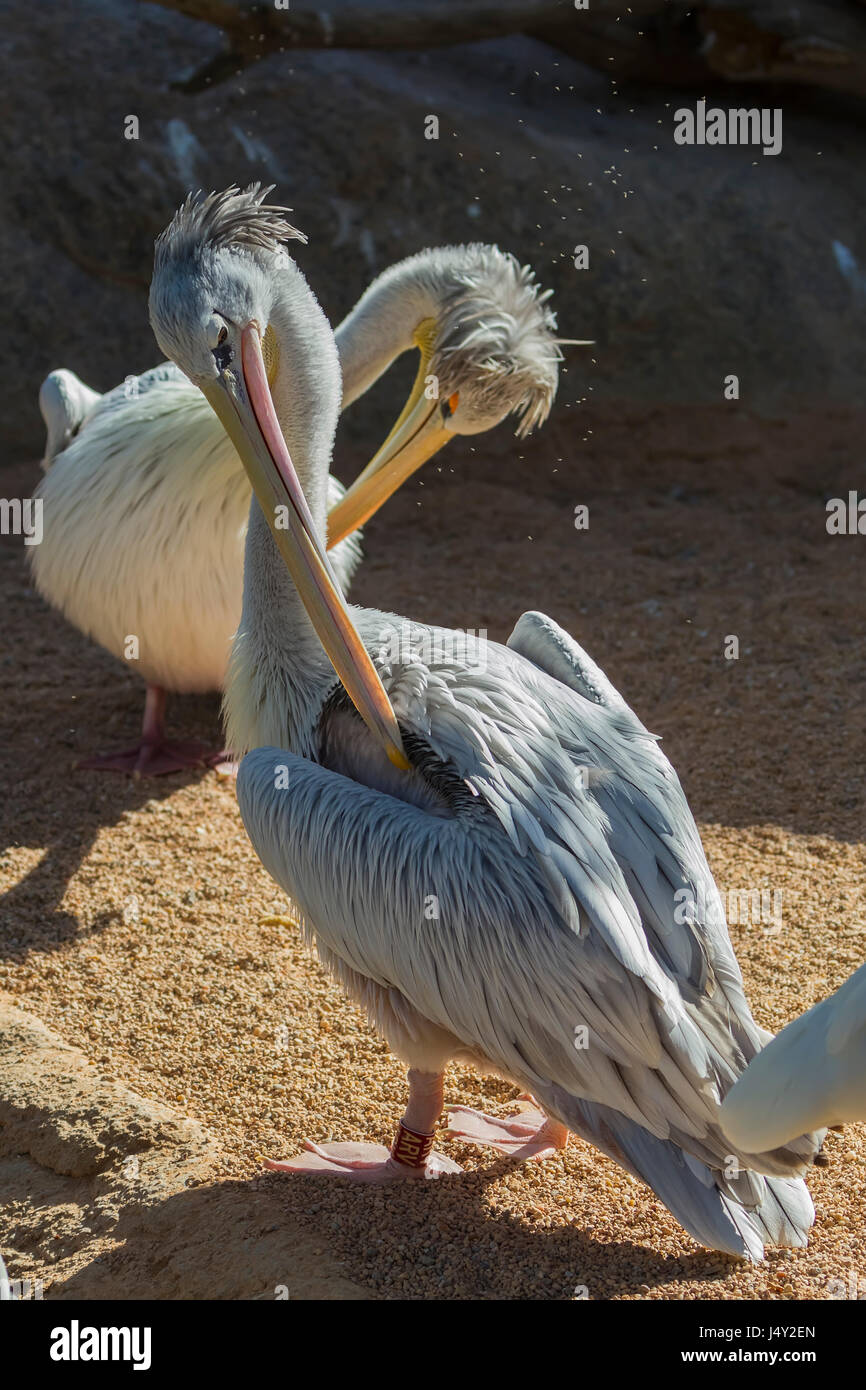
(555,898)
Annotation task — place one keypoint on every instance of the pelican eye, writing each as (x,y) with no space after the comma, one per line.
(224,353)
(217,334)
(450,406)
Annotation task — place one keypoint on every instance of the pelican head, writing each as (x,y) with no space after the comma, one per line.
(494,350)
(213,273)
(488,350)
(226,303)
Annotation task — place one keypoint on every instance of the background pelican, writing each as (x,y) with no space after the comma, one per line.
(146,503)
(511,786)
(812,1073)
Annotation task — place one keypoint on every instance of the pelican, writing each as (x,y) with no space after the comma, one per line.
(146,500)
(484,841)
(812,1073)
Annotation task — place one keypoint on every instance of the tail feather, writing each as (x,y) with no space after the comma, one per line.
(785,1214)
(739,1214)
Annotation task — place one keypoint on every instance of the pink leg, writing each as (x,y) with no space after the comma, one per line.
(410,1156)
(153,755)
(527,1134)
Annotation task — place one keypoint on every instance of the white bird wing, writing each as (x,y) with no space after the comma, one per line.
(698,905)
(152,442)
(161,411)
(555,900)
(529,914)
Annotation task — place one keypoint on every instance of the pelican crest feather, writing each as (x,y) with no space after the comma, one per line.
(235,217)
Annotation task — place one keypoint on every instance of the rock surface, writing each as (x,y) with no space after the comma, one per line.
(703,261)
(110,1196)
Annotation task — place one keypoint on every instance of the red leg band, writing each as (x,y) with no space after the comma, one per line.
(410,1148)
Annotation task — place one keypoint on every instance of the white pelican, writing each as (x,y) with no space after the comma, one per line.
(487,858)
(146,500)
(812,1074)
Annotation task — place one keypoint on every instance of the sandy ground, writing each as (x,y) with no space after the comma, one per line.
(138,925)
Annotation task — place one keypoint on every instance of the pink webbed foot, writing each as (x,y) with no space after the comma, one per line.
(154,754)
(150,759)
(224,764)
(360,1163)
(528,1134)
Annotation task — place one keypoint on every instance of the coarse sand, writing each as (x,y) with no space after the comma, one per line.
(137,924)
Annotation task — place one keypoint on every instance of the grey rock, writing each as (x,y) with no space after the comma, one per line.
(703,261)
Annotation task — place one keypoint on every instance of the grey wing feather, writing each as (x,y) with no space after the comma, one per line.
(552,649)
(556,904)
(679,900)
(512,984)
(581,875)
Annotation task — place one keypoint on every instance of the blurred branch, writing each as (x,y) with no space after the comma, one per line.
(818,42)
(814,42)
(394,23)
(254,29)
(660,47)
(254,26)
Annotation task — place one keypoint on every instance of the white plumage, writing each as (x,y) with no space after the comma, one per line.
(556,911)
(536,813)
(145,514)
(812,1074)
(146,501)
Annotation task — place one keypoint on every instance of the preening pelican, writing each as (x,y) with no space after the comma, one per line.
(146,500)
(812,1073)
(484,840)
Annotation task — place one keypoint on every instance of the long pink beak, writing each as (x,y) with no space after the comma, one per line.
(251,422)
